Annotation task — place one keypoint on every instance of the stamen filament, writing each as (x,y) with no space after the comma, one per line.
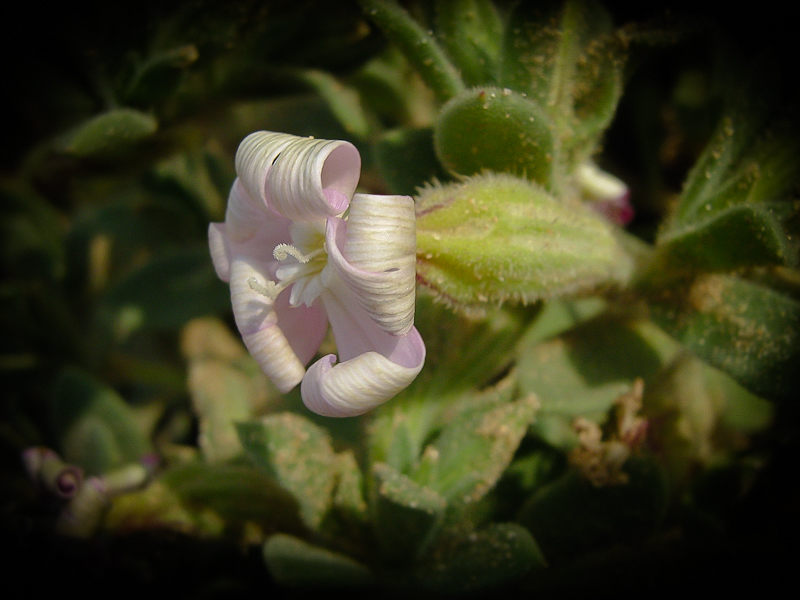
(284,251)
(270,290)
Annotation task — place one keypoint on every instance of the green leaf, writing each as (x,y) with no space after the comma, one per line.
(570,61)
(165,293)
(462,355)
(115,130)
(236,492)
(407,160)
(418,46)
(470,454)
(745,329)
(295,563)
(97,429)
(571,516)
(500,554)
(739,236)
(343,101)
(738,194)
(407,516)
(583,371)
(495,129)
(31,243)
(299,455)
(348,497)
(471,32)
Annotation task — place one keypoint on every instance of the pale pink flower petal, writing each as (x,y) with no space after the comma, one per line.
(374,252)
(299,178)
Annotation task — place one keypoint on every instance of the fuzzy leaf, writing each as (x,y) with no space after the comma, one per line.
(738,194)
(465,461)
(112,131)
(583,371)
(98,430)
(406,515)
(569,60)
(417,45)
(500,554)
(299,455)
(739,236)
(463,354)
(471,32)
(745,329)
(295,563)
(497,130)
(236,492)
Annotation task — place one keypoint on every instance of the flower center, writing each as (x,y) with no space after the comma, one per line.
(302,264)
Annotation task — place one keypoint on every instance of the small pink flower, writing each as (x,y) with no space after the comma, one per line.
(299,250)
(606,194)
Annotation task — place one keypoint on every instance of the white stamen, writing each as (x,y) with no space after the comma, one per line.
(284,251)
(270,290)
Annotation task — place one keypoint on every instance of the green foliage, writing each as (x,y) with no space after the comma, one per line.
(112,131)
(746,329)
(299,455)
(486,111)
(98,430)
(419,47)
(571,516)
(497,555)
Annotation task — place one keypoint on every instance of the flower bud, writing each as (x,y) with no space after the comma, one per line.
(495,237)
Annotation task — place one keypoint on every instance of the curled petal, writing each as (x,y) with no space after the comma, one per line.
(304,327)
(220,250)
(361,383)
(301,179)
(257,321)
(374,253)
(375,364)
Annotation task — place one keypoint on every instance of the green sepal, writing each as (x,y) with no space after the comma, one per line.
(299,455)
(496,238)
(115,130)
(296,563)
(498,555)
(571,516)
(746,329)
(406,516)
(495,129)
(471,32)
(98,430)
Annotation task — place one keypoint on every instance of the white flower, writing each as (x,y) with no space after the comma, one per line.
(300,249)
